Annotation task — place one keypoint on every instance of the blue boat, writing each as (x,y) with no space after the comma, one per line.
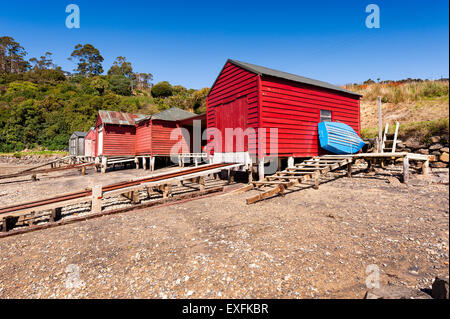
(339,138)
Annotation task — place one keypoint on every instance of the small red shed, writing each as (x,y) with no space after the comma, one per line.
(156,134)
(116,133)
(245,96)
(90,143)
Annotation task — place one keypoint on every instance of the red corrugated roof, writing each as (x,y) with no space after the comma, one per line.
(119,118)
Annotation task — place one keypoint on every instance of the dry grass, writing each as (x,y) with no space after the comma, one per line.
(422,108)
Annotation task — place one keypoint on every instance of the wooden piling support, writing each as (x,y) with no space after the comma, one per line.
(4,225)
(96,206)
(55,214)
(316,180)
(201,182)
(426,167)
(349,170)
(152,163)
(104,164)
(261,169)
(405,169)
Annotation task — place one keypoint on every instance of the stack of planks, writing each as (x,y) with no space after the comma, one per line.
(310,169)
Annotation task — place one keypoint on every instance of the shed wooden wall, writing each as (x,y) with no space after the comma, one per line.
(144,138)
(119,140)
(90,143)
(294,109)
(161,142)
(233,83)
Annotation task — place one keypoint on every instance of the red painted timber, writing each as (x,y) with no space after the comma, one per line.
(119,140)
(233,83)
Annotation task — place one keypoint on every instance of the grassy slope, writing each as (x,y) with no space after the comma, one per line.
(422,108)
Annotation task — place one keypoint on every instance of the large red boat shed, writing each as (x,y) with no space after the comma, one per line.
(245,95)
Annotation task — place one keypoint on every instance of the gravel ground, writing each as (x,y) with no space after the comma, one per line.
(307,244)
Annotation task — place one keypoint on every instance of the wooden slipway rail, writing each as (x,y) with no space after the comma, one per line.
(314,168)
(291,176)
(49,170)
(157,183)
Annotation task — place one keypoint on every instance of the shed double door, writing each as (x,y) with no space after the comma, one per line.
(233,115)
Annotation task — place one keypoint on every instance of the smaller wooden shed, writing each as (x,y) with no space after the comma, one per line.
(155,133)
(76,144)
(90,143)
(116,133)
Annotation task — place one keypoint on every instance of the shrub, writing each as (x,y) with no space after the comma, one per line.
(162,89)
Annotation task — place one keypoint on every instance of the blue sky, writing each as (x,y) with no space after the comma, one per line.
(187,42)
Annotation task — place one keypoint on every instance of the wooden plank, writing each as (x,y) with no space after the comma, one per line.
(282,186)
(269,183)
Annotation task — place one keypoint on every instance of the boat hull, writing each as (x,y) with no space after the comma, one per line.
(339,138)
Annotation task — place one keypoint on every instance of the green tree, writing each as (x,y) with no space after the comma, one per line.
(162,89)
(12,56)
(88,59)
(120,84)
(100,84)
(45,62)
(143,80)
(121,67)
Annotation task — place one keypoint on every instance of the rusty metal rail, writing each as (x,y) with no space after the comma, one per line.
(48,170)
(116,186)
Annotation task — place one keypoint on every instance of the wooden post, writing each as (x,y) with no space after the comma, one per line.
(83,170)
(426,167)
(31,219)
(135,197)
(152,163)
(290,163)
(316,180)
(405,169)
(5,224)
(349,169)
(380,126)
(56,214)
(104,164)
(167,190)
(201,182)
(96,206)
(261,168)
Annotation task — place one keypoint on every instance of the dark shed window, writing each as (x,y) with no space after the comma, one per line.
(325,116)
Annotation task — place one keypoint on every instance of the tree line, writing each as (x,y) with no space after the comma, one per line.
(41,104)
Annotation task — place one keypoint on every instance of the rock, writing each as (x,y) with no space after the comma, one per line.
(435,139)
(400,145)
(439,289)
(436,153)
(444,157)
(393,292)
(435,147)
(394,181)
(438,165)
(423,151)
(413,144)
